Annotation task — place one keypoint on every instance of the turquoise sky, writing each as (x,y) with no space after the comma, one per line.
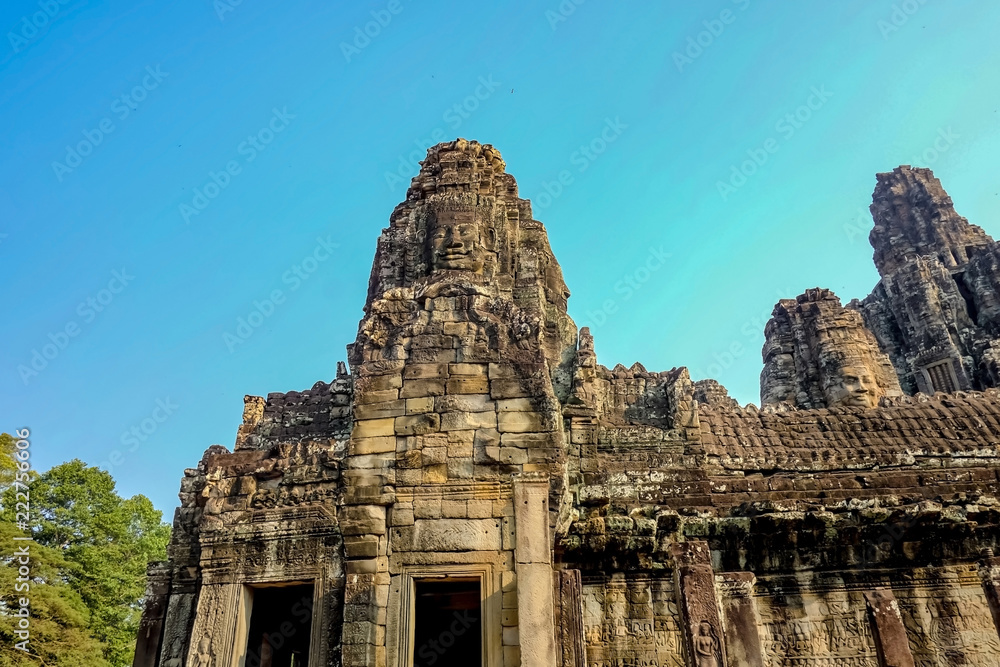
(168,169)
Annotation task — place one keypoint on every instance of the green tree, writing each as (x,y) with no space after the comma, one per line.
(99,545)
(60,620)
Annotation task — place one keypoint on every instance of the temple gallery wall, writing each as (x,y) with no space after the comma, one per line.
(473,488)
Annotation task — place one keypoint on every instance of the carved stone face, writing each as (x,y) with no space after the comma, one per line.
(456,242)
(854,387)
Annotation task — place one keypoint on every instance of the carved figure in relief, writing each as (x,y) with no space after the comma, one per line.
(204,657)
(176,651)
(705,646)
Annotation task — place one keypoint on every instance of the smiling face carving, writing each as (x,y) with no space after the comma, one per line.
(853,387)
(456,242)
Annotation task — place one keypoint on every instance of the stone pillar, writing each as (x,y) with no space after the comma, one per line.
(989,573)
(569,618)
(533,558)
(148,643)
(700,624)
(887,625)
(213,634)
(739,614)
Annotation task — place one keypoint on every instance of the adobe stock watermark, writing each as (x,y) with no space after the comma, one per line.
(122,107)
(250,148)
(945,139)
(628,285)
(455,115)
(431,651)
(88,310)
(581,158)
(786,126)
(266,307)
(900,16)
(140,432)
(562,12)
(30,25)
(750,330)
(223,7)
(21,556)
(363,35)
(698,43)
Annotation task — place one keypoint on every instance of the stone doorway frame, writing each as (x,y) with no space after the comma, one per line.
(244,613)
(489,594)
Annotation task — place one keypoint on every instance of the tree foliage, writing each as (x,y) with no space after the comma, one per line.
(88,563)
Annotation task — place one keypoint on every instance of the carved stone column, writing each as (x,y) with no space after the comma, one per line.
(533,557)
(569,619)
(887,625)
(147,646)
(701,624)
(740,616)
(215,620)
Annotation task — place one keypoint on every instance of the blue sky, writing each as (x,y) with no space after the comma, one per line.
(176,164)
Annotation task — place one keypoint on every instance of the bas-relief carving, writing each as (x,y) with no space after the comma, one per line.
(632,624)
(949,626)
(816,630)
(706,646)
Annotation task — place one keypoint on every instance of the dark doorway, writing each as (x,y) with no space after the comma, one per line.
(447,624)
(280,624)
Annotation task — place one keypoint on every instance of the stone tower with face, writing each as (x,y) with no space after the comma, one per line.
(818,354)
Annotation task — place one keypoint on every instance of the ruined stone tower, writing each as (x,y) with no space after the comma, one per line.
(935,311)
(819,354)
(476,489)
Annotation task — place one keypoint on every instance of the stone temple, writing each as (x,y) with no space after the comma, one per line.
(477,490)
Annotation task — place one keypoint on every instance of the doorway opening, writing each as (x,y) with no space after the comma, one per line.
(280,626)
(447,623)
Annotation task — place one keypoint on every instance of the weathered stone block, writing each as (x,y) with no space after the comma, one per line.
(371,428)
(422,388)
(460,421)
(519,422)
(418,424)
(361,546)
(434,455)
(513,455)
(362,520)
(454,509)
(468,385)
(366,397)
(460,468)
(500,389)
(436,535)
(425,371)
(435,474)
(465,403)
(467,370)
(375,445)
(516,405)
(419,405)
(427,508)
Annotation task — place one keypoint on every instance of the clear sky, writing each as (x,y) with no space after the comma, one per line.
(167,166)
